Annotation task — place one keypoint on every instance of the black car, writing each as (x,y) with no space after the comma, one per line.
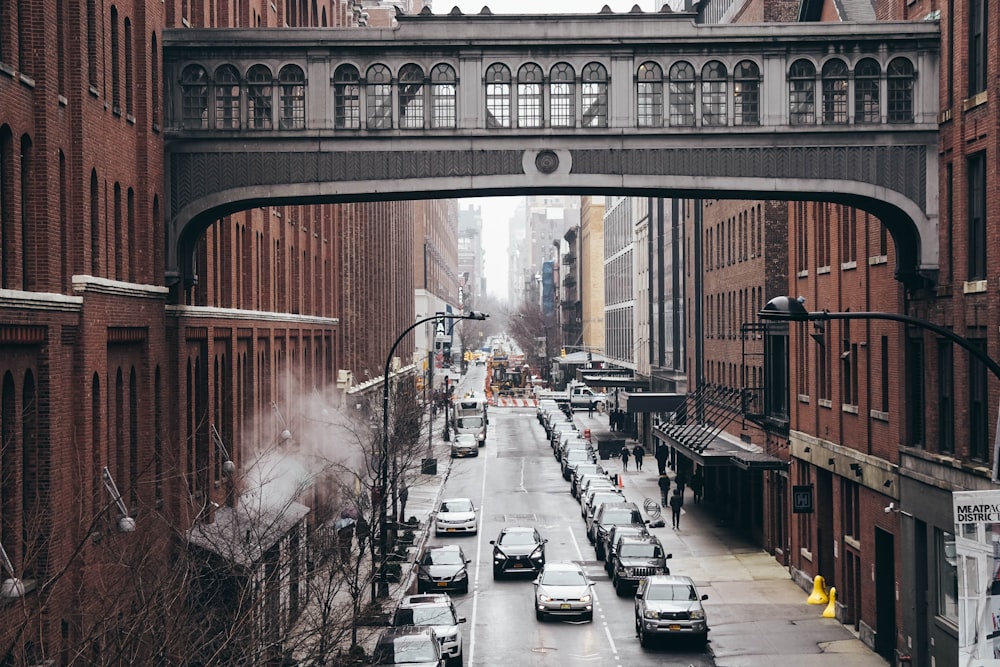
(636,558)
(518,549)
(443,568)
(612,538)
(613,514)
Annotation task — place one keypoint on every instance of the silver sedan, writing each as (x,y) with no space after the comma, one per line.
(563,589)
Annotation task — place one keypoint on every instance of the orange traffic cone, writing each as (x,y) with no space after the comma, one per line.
(621,481)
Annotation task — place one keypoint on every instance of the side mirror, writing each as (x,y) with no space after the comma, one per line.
(535,582)
(638,595)
(704,597)
(468,560)
(545,541)
(645,520)
(669,556)
(493,542)
(462,620)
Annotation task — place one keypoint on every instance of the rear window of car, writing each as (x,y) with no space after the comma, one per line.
(620,515)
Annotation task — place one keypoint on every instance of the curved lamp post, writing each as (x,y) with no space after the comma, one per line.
(380,587)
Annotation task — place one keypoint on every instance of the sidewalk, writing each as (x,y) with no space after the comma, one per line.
(759,616)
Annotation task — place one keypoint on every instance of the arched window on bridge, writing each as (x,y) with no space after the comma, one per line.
(595,95)
(497,96)
(866,91)
(746,93)
(194,97)
(649,95)
(835,91)
(562,102)
(260,98)
(443,90)
(347,98)
(411,97)
(900,91)
(529,95)
(378,97)
(681,94)
(802,93)
(227,98)
(292,84)
(713,94)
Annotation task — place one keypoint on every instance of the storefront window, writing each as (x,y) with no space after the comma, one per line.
(947,576)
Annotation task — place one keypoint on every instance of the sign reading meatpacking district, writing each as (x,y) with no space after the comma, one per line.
(973,556)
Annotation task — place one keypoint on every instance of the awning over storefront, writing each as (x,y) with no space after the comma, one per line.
(581,357)
(650,401)
(719,451)
(609,381)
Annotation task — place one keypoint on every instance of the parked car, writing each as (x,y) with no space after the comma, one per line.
(456,515)
(596,497)
(563,589)
(669,605)
(574,456)
(464,444)
(608,515)
(411,645)
(443,568)
(581,470)
(611,541)
(437,611)
(591,512)
(518,549)
(636,558)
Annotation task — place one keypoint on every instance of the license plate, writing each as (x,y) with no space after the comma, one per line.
(451,530)
(564,606)
(674,628)
(442,583)
(517,565)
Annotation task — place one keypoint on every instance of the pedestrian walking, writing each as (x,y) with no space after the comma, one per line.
(638,452)
(664,483)
(590,409)
(661,454)
(697,486)
(676,503)
(625,455)
(363,532)
(681,480)
(404,494)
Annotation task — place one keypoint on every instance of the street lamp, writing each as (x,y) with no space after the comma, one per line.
(380,587)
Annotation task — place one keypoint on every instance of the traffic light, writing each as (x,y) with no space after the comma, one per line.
(562,352)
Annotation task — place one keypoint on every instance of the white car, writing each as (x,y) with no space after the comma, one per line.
(456,515)
(464,444)
(563,589)
(437,611)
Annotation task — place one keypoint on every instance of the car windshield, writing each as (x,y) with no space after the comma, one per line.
(443,557)
(517,537)
(671,592)
(470,422)
(563,578)
(578,453)
(405,650)
(640,551)
(456,506)
(439,614)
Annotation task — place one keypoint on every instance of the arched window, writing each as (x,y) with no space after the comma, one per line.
(594,95)
(154,78)
(116,92)
(411,97)
(194,97)
(681,94)
(129,74)
(227,98)
(746,93)
(497,82)
(649,95)
(802,93)
(866,91)
(8,219)
(444,113)
(835,91)
(292,98)
(92,43)
(713,94)
(27,261)
(529,96)
(899,87)
(260,98)
(378,97)
(347,98)
(562,102)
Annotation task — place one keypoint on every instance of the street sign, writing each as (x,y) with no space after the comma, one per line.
(802,499)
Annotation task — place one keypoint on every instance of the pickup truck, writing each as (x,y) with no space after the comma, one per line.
(579,397)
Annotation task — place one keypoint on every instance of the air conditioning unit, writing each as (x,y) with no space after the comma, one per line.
(345,378)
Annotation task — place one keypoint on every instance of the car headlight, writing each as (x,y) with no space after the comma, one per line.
(461,575)
(585,598)
(650,613)
(698,614)
(423,574)
(544,598)
(537,553)
(480,437)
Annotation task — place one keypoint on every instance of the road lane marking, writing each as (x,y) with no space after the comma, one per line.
(479,550)
(607,631)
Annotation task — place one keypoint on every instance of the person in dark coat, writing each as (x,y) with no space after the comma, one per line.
(681,479)
(624,454)
(676,503)
(664,483)
(638,452)
(662,454)
(697,486)
(404,494)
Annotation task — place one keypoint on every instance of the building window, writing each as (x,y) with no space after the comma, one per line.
(529,96)
(849,367)
(194,97)
(849,234)
(378,97)
(116,99)
(978,46)
(649,95)
(595,95)
(802,93)
(713,94)
(824,379)
(8,223)
(835,92)
(129,73)
(154,78)
(681,91)
(899,87)
(562,112)
(822,235)
(776,366)
(977,216)
(346,98)
(866,91)
(260,95)
(411,97)
(92,43)
(884,405)
(947,575)
(444,114)
(61,39)
(227,98)
(497,96)
(802,355)
(27,167)
(914,383)
(746,93)
(805,519)
(292,87)
(979,427)
(945,397)
(851,508)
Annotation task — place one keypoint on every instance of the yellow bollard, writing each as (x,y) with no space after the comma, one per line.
(831,609)
(818,595)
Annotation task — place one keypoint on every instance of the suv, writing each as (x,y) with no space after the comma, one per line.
(666,605)
(408,645)
(437,611)
(613,514)
(518,549)
(636,558)
(611,541)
